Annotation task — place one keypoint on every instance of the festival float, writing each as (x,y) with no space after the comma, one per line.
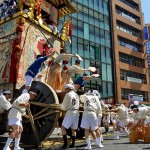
(29,28)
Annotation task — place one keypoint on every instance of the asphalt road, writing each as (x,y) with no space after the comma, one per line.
(55,142)
(109,144)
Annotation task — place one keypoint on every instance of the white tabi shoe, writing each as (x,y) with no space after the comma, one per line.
(116,138)
(6,148)
(100,145)
(88,148)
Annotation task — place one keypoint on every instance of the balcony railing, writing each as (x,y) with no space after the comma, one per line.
(136,20)
(130,5)
(131,79)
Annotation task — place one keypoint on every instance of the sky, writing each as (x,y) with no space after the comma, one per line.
(146,10)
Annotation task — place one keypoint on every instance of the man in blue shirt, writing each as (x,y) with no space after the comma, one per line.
(34,69)
(80,81)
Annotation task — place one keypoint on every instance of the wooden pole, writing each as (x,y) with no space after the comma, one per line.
(33,126)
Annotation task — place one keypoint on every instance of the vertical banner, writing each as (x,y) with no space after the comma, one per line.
(146,34)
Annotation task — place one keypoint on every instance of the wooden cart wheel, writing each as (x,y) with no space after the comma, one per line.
(45,118)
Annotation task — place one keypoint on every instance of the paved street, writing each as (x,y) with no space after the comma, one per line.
(55,142)
(109,144)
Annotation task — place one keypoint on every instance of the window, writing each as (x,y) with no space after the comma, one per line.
(80,47)
(129,30)
(74,45)
(126,92)
(105,7)
(129,44)
(109,73)
(102,36)
(131,60)
(103,54)
(104,72)
(110,89)
(132,76)
(106,22)
(108,55)
(107,38)
(97,35)
(104,89)
(75,26)
(128,15)
(92,33)
(80,28)
(86,49)
(87,64)
(86,31)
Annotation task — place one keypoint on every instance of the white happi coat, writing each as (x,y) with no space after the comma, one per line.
(123,114)
(71,104)
(143,113)
(61,57)
(76,70)
(17,111)
(92,105)
(4,104)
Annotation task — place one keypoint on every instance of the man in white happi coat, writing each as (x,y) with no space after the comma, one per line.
(70,104)
(18,109)
(89,118)
(140,114)
(4,101)
(123,120)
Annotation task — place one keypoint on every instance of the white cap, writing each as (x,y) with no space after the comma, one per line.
(7,92)
(96,93)
(69,86)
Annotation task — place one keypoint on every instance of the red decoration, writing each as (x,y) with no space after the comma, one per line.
(19,28)
(65,68)
(18,48)
(70,29)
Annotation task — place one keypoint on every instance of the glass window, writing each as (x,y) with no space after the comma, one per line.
(97,35)
(110,89)
(86,2)
(107,38)
(91,3)
(109,73)
(80,15)
(86,49)
(75,26)
(101,19)
(101,7)
(80,29)
(96,5)
(92,33)
(104,89)
(104,73)
(87,64)
(86,31)
(102,36)
(80,1)
(91,16)
(103,54)
(96,19)
(106,22)
(86,17)
(108,55)
(105,7)
(80,47)
(97,52)
(74,45)
(92,52)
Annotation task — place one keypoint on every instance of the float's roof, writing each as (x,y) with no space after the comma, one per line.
(65,7)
